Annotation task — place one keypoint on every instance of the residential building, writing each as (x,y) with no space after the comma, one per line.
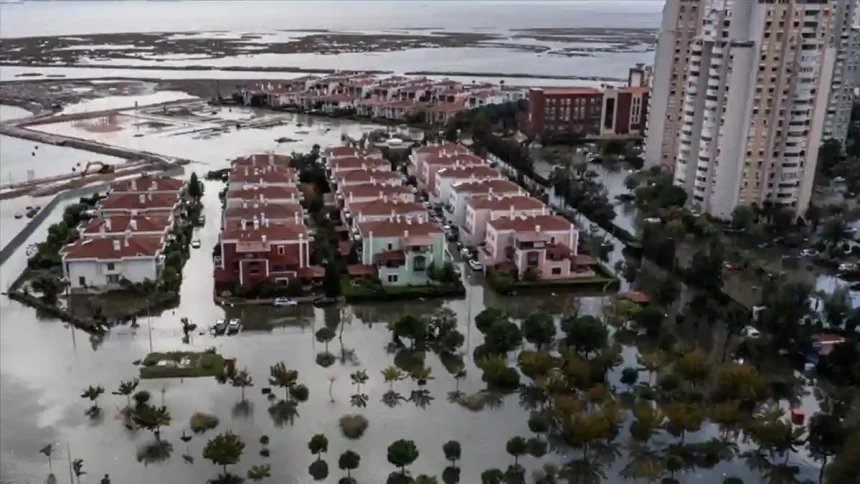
(481,210)
(461,193)
(274,195)
(261,160)
(624,111)
(846,40)
(401,251)
(364,177)
(443,112)
(255,251)
(431,165)
(546,244)
(756,95)
(383,209)
(369,192)
(348,151)
(682,21)
(420,155)
(154,184)
(276,213)
(448,177)
(243,177)
(103,262)
(564,112)
(120,225)
(153,204)
(640,75)
(339,166)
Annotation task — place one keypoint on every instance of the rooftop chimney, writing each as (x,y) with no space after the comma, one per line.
(537,228)
(242,223)
(142,198)
(133,224)
(134,184)
(116,245)
(406,233)
(107,224)
(263,238)
(271,157)
(127,237)
(256,223)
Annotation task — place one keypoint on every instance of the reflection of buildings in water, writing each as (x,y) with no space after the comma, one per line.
(385,313)
(267,318)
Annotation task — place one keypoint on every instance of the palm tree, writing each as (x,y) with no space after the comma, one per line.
(652,363)
(359,378)
(391,375)
(260,472)
(48,450)
(78,469)
(92,393)
(127,389)
(242,379)
(348,461)
(459,375)
(151,418)
(281,377)
(683,418)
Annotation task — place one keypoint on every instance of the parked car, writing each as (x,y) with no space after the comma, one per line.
(808,253)
(466,253)
(220,327)
(847,267)
(233,326)
(195,244)
(750,333)
(201,220)
(475,265)
(733,267)
(325,301)
(282,302)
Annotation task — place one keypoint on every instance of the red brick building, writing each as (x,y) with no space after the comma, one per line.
(253,252)
(557,112)
(625,110)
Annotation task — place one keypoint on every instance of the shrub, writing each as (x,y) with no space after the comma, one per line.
(353,426)
(203,422)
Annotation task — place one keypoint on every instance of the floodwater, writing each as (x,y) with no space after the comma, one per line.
(123,102)
(45,366)
(10,73)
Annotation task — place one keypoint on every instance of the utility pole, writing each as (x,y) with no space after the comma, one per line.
(149,318)
(69,458)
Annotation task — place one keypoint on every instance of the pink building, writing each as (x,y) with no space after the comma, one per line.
(480,210)
(433,164)
(369,192)
(546,244)
(420,155)
(448,177)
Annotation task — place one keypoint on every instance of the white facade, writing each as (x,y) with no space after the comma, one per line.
(101,273)
(755,101)
(846,40)
(442,190)
(681,23)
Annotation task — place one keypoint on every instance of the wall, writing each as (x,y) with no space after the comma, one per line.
(95,273)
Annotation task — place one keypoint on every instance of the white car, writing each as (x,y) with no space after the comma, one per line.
(847,267)
(195,244)
(282,302)
(475,265)
(750,333)
(808,253)
(465,252)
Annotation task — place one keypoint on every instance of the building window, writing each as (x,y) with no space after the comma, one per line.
(280,250)
(420,263)
(390,247)
(113,278)
(111,266)
(392,277)
(556,271)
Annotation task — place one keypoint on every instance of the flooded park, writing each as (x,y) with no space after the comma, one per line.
(46,364)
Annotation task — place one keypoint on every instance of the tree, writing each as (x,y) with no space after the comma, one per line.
(391,375)
(402,453)
(325,335)
(92,393)
(78,469)
(694,366)
(348,461)
(652,362)
(650,319)
(318,445)
(585,334)
(833,232)
(151,418)
(539,329)
(224,449)
(412,328)
(503,337)
(829,155)
(242,379)
(487,317)
(774,434)
(683,418)
(492,476)
(517,446)
(826,438)
(629,376)
(259,472)
(452,451)
(425,479)
(743,217)
(280,377)
(846,465)
(48,450)
(736,381)
(195,187)
(127,389)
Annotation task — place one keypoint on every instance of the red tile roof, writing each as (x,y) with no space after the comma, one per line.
(480,171)
(448,107)
(270,210)
(141,201)
(445,147)
(403,228)
(261,159)
(268,192)
(390,255)
(487,186)
(356,163)
(145,183)
(382,207)
(448,159)
(268,174)
(123,223)
(364,176)
(112,248)
(273,233)
(311,272)
(367,190)
(361,270)
(637,297)
(518,202)
(546,223)
(342,151)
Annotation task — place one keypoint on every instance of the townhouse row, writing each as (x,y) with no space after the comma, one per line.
(125,241)
(264,235)
(393,97)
